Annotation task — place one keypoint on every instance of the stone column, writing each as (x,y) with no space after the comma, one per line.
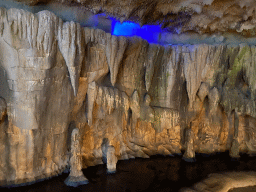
(234,151)
(189,154)
(76,176)
(111,159)
(109,156)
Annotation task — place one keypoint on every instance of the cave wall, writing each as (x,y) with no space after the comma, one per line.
(144,99)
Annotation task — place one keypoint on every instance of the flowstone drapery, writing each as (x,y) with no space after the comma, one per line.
(146,99)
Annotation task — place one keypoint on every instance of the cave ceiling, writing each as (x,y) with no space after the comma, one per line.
(176,16)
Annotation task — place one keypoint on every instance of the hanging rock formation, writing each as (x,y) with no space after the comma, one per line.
(178,16)
(144,99)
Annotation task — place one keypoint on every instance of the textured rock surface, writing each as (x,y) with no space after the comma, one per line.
(244,189)
(224,182)
(144,99)
(178,16)
(76,176)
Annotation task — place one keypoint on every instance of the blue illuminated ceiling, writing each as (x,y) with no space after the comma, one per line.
(127,28)
(151,33)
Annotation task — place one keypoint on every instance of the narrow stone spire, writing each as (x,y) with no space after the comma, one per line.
(76,176)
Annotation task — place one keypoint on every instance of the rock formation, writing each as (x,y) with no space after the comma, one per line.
(145,99)
(189,154)
(224,182)
(76,176)
(109,156)
(177,16)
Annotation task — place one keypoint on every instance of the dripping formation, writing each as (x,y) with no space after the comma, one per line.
(126,97)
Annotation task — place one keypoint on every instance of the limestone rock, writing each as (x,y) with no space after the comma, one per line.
(224,182)
(190,152)
(145,99)
(198,60)
(202,16)
(203,91)
(116,46)
(234,151)
(111,159)
(71,46)
(152,58)
(76,176)
(92,94)
(3,108)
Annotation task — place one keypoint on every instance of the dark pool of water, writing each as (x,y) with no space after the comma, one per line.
(161,174)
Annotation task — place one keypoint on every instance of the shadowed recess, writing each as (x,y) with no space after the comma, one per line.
(151,33)
(127,28)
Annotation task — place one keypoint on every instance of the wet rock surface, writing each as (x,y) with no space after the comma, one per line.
(145,99)
(157,173)
(225,182)
(76,176)
(244,189)
(202,16)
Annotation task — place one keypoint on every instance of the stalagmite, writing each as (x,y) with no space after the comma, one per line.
(190,152)
(145,98)
(109,156)
(234,151)
(76,176)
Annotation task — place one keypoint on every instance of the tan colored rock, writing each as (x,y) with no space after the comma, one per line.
(72,49)
(203,91)
(3,108)
(141,97)
(109,156)
(76,176)
(177,16)
(224,182)
(190,152)
(116,46)
(153,52)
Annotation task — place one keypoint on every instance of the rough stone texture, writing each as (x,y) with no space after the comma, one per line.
(144,99)
(189,154)
(109,156)
(177,16)
(224,182)
(244,189)
(76,176)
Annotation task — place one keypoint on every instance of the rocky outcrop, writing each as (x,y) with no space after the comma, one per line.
(144,99)
(224,182)
(76,176)
(189,154)
(109,156)
(202,16)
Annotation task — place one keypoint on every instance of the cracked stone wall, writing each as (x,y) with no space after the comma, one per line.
(144,99)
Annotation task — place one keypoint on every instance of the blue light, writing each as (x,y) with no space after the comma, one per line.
(127,28)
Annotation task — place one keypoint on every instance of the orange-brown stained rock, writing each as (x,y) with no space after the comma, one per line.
(205,90)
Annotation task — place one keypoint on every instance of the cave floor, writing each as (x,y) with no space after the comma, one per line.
(244,189)
(161,174)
